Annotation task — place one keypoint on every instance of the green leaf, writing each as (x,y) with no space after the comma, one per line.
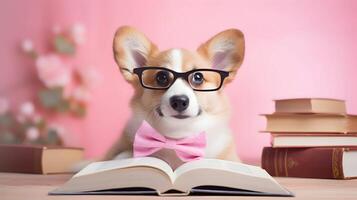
(63,106)
(41,124)
(64,45)
(6,120)
(50,98)
(79,110)
(53,137)
(53,99)
(7,138)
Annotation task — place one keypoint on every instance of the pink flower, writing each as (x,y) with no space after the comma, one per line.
(52,71)
(77,33)
(89,77)
(4,106)
(81,94)
(27,109)
(27,46)
(56,29)
(32,133)
(20,118)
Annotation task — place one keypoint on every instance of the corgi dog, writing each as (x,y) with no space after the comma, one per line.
(177,107)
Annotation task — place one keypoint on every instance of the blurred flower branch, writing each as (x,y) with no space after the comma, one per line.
(66,88)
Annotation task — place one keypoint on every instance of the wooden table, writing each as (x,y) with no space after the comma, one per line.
(29,186)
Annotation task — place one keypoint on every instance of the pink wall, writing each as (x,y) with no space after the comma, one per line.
(293,49)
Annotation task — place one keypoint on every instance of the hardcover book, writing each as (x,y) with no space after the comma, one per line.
(149,175)
(329,163)
(310,105)
(313,140)
(311,123)
(38,159)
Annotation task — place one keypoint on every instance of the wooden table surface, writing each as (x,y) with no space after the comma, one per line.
(30,186)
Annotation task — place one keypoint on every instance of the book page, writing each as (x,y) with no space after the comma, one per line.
(127,163)
(219,165)
(153,173)
(117,179)
(214,172)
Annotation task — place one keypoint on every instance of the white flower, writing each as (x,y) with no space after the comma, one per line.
(32,133)
(27,46)
(52,71)
(4,106)
(77,33)
(27,109)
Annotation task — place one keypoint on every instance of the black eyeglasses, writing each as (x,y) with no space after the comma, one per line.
(160,78)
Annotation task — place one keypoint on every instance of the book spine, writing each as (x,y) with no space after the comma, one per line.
(20,159)
(304,162)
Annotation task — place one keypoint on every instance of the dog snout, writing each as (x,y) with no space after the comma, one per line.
(179,102)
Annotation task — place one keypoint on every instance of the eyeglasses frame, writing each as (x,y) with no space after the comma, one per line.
(184,75)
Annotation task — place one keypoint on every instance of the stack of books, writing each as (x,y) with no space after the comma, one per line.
(311,138)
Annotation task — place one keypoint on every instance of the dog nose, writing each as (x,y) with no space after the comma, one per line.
(179,102)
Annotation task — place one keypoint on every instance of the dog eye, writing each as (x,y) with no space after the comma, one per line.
(162,78)
(197,78)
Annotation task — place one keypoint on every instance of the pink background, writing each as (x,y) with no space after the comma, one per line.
(293,49)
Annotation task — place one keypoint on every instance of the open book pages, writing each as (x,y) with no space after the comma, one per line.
(155,174)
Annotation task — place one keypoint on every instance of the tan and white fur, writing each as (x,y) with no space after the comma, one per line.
(207,111)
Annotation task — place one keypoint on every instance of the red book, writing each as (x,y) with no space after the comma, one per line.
(329,163)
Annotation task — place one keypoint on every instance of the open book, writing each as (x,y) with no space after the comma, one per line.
(148,175)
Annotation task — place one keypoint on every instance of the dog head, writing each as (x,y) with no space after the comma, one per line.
(181,108)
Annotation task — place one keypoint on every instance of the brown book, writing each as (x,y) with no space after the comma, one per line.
(310,105)
(331,163)
(312,123)
(38,159)
(313,140)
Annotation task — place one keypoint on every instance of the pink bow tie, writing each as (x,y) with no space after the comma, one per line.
(148,141)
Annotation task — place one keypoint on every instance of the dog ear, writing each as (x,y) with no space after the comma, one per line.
(225,51)
(131,49)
